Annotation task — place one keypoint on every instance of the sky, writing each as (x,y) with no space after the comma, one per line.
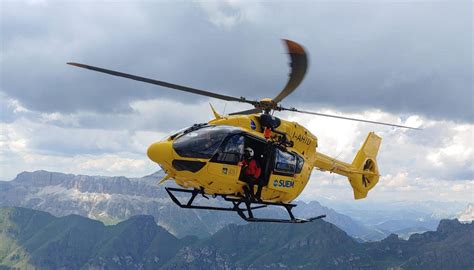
(403,62)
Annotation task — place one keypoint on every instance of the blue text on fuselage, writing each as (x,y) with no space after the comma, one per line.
(283,183)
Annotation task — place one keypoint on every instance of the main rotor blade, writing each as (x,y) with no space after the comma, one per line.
(251,111)
(299,64)
(347,118)
(164,84)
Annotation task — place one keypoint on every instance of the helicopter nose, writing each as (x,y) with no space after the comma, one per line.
(161,153)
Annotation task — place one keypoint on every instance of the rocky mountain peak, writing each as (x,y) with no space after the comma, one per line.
(449,225)
(391,238)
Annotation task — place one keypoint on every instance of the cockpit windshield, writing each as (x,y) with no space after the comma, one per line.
(203,142)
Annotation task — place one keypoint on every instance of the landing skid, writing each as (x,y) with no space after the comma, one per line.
(240,204)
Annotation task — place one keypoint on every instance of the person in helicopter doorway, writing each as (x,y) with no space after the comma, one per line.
(251,172)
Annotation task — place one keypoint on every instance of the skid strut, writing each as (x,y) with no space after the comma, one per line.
(244,206)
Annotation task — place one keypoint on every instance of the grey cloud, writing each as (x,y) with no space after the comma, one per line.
(412,149)
(399,57)
(162,116)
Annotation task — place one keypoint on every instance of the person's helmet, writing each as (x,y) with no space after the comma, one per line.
(248,152)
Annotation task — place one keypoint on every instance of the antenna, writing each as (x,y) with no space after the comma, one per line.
(225,106)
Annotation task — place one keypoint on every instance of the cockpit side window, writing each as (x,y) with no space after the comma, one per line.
(299,163)
(201,143)
(231,150)
(285,163)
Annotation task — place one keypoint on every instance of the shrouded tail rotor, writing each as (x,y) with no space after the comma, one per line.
(366,162)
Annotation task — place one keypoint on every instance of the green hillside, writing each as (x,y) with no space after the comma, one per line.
(32,239)
(35,238)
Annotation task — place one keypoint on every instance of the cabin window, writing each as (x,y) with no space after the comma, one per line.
(231,150)
(285,163)
(201,143)
(299,164)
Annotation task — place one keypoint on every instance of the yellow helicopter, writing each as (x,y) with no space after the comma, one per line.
(251,158)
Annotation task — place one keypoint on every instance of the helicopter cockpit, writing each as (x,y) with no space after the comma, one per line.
(202,141)
(225,145)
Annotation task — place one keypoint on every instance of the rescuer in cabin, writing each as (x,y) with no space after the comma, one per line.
(251,172)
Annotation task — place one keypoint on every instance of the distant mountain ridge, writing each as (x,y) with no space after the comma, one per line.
(398,216)
(113,199)
(36,239)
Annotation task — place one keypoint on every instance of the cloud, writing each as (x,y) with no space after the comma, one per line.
(442,150)
(409,161)
(121,164)
(75,142)
(436,162)
(362,55)
(228,14)
(159,115)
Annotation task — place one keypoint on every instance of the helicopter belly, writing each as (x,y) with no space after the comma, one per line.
(216,178)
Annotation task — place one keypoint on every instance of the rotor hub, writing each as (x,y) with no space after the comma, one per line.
(266,105)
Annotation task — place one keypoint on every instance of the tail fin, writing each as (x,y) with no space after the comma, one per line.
(365,161)
(216,114)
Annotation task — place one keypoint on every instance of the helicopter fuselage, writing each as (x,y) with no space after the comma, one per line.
(207,156)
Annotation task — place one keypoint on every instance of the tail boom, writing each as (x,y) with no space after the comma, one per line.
(363,173)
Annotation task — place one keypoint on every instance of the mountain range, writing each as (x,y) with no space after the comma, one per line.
(114,199)
(32,239)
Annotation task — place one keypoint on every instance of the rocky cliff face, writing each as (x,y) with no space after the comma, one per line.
(451,246)
(109,199)
(113,199)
